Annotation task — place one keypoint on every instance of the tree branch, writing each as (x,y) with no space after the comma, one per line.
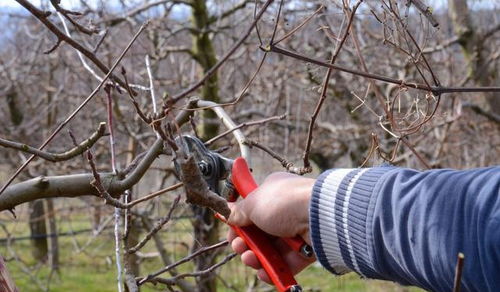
(80,184)
(181,261)
(229,12)
(436,90)
(55,157)
(173,280)
(425,10)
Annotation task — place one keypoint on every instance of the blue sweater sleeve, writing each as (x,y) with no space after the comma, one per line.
(408,226)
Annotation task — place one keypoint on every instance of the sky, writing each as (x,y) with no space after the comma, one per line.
(74,3)
(14,4)
(437,4)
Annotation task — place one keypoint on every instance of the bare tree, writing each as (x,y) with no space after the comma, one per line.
(95,98)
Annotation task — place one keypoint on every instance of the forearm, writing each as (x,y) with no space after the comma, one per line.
(408,226)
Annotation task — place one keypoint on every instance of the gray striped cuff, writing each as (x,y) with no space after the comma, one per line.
(340,207)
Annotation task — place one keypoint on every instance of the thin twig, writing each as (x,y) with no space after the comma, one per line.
(138,110)
(295,29)
(151,83)
(65,13)
(314,116)
(157,227)
(173,280)
(373,147)
(97,184)
(263,121)
(181,261)
(289,166)
(156,194)
(276,22)
(240,96)
(418,155)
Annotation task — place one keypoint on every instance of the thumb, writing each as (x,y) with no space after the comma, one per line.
(239,216)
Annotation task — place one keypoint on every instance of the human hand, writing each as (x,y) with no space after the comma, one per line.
(280,207)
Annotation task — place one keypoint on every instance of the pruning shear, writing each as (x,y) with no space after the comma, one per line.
(232,179)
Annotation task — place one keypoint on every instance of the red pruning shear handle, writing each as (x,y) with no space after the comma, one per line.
(260,242)
(215,168)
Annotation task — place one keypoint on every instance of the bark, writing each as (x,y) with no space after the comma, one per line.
(76,185)
(203,52)
(53,239)
(38,231)
(16,116)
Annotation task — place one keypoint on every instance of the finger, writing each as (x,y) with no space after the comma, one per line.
(295,261)
(231,235)
(238,245)
(250,259)
(238,215)
(262,275)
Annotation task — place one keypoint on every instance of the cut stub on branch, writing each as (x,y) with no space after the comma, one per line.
(197,190)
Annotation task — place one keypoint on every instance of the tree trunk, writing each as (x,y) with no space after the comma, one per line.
(53,239)
(38,231)
(472,43)
(206,227)
(131,261)
(53,251)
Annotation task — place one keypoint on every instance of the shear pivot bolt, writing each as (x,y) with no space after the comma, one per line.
(204,168)
(295,288)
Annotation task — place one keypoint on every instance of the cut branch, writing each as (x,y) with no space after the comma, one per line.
(197,190)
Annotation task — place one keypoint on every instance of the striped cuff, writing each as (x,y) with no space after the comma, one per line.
(341,207)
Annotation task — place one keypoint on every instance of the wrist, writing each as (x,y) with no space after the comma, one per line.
(305,192)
